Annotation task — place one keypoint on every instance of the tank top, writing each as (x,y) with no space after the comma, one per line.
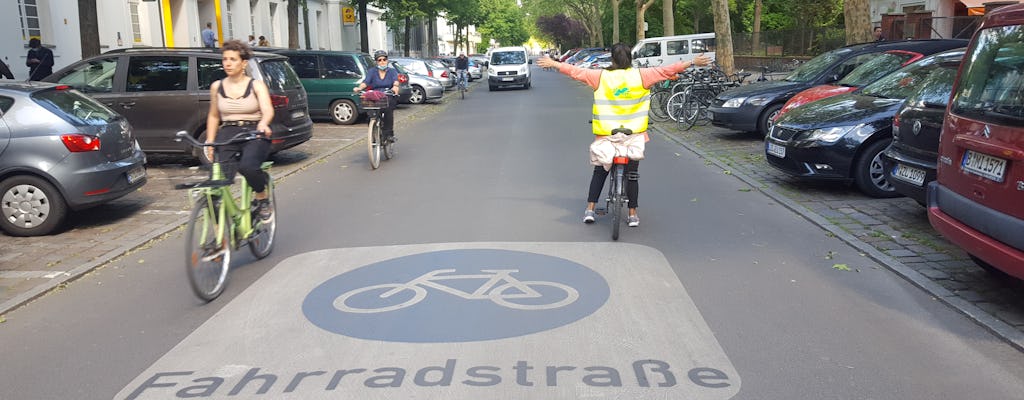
(245,108)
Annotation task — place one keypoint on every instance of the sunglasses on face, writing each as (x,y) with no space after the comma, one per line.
(381,59)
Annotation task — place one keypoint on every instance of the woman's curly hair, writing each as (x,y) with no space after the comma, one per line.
(244,52)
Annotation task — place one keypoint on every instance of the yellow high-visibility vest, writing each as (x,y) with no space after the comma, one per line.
(621,101)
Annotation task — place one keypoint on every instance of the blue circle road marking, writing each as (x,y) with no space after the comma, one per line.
(456,296)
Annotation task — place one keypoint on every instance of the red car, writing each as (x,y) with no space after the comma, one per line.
(977,201)
(881,65)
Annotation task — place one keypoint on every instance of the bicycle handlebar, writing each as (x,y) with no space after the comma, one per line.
(240,137)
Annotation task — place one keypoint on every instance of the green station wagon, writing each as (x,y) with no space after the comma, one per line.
(330,76)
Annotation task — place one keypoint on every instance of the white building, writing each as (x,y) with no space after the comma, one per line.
(177,23)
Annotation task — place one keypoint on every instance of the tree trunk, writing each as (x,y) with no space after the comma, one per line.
(641,9)
(293,24)
(857,15)
(364,34)
(431,36)
(90,28)
(667,17)
(755,42)
(615,20)
(406,37)
(723,36)
(598,25)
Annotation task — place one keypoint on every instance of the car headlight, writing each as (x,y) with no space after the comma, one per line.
(522,71)
(734,103)
(830,135)
(491,71)
(758,101)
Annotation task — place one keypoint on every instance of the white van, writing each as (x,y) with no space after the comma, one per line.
(653,52)
(508,66)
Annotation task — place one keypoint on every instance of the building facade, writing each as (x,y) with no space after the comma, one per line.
(323,24)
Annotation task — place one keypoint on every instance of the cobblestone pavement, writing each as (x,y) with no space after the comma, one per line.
(894,232)
(33,266)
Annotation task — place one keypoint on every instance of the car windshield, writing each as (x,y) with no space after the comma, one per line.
(279,76)
(901,84)
(74,107)
(991,87)
(508,57)
(815,66)
(876,68)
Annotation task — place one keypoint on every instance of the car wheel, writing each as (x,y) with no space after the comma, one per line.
(344,112)
(30,206)
(417,96)
(869,173)
(491,88)
(767,120)
(528,83)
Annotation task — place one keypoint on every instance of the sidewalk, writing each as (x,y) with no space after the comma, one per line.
(893,232)
(33,266)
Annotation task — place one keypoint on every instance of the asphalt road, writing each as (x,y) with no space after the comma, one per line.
(720,293)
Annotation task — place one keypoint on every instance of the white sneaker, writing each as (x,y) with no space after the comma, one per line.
(588,217)
(634,221)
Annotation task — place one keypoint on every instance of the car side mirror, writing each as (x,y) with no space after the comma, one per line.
(832,78)
(529,61)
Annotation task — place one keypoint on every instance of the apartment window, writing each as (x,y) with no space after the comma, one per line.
(29,17)
(133,9)
(252,17)
(231,25)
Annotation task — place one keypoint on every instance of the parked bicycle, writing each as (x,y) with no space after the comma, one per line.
(374,102)
(219,223)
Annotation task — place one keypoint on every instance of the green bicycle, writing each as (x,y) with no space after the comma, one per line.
(219,225)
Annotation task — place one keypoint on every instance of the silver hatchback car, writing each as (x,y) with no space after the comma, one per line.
(60,151)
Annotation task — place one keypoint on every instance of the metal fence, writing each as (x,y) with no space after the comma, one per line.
(794,43)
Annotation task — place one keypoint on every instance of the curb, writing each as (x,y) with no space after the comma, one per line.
(158,233)
(1008,333)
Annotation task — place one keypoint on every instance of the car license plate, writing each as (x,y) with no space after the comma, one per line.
(135,174)
(298,114)
(984,165)
(776,150)
(909,174)
(506,79)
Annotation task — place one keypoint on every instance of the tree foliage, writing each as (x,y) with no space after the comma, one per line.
(561,30)
(504,22)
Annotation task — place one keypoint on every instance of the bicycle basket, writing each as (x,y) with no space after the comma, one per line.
(374,100)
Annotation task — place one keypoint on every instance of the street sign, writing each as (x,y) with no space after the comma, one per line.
(348,15)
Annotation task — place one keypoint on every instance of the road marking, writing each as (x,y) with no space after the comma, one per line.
(166,212)
(31,274)
(644,340)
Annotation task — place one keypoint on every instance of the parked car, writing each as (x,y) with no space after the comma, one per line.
(509,66)
(330,76)
(909,162)
(667,50)
(842,137)
(439,71)
(474,70)
(424,88)
(602,61)
(423,67)
(755,107)
(976,200)
(479,59)
(871,71)
(60,150)
(158,92)
(404,83)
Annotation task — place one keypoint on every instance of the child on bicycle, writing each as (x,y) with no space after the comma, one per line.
(621,100)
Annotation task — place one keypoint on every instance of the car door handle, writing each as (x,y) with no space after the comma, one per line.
(127,104)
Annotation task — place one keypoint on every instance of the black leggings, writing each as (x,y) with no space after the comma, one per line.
(632,183)
(250,156)
(387,125)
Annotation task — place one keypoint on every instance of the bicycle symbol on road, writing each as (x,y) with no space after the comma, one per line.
(500,287)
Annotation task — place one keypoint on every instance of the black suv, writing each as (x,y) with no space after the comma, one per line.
(165,90)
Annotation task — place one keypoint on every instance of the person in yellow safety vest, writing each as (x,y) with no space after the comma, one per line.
(621,99)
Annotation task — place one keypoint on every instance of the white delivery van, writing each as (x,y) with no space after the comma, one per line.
(508,66)
(653,52)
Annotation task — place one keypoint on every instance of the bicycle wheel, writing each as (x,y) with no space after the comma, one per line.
(674,105)
(690,112)
(617,200)
(207,250)
(657,110)
(373,143)
(261,241)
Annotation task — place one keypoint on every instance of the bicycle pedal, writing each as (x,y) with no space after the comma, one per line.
(600,211)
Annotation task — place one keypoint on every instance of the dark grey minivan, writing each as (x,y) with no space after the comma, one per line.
(165,90)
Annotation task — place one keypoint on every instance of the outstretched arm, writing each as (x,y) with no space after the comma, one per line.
(592,77)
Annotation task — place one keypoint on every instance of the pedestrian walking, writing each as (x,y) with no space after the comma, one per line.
(252,41)
(209,38)
(39,60)
(264,42)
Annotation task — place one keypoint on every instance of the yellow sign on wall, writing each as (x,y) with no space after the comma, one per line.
(348,15)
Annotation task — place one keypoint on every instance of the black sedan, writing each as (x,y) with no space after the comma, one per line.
(909,162)
(754,107)
(842,137)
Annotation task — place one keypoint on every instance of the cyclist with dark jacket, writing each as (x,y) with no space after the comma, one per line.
(462,67)
(383,78)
